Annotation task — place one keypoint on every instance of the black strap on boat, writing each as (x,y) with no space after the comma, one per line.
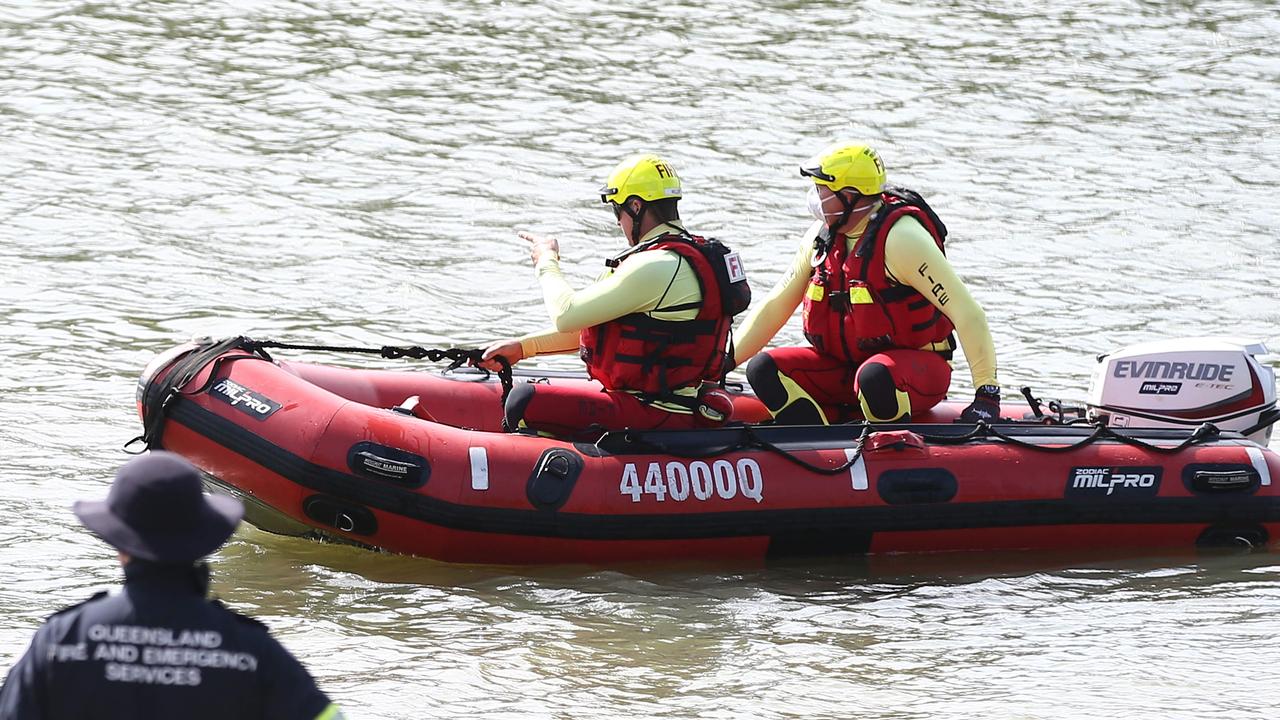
(457,357)
(155,403)
(156,400)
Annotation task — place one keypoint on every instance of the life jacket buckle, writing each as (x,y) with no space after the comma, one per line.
(875,344)
(839,300)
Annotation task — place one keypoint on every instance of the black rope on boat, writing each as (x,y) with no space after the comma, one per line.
(155,403)
(457,357)
(981,431)
(750,439)
(753,441)
(850,462)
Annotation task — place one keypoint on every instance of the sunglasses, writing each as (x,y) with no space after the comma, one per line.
(605,193)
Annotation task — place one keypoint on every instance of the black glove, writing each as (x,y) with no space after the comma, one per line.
(985,405)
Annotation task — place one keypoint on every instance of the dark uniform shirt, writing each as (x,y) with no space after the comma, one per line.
(158,649)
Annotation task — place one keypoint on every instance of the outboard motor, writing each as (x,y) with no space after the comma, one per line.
(1184,383)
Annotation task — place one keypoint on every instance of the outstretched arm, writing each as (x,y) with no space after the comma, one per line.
(637,285)
(769,315)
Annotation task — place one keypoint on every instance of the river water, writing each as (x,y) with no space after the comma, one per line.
(354,172)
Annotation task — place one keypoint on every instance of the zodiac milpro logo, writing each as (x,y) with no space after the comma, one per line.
(1114,481)
(699,480)
(1160,388)
(253,404)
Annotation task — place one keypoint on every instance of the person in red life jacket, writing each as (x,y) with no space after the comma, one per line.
(653,330)
(880,304)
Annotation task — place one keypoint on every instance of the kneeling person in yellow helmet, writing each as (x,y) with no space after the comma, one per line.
(653,330)
(880,302)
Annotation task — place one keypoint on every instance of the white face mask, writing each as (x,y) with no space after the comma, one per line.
(815,204)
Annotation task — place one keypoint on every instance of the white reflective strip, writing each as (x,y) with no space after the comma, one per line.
(479,468)
(859,470)
(1260,464)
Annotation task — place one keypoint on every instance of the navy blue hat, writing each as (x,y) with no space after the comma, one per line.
(156,510)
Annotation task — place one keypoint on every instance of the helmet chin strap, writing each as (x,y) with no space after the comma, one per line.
(846,211)
(635,215)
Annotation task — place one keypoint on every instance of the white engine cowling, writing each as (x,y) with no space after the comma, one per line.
(1183,383)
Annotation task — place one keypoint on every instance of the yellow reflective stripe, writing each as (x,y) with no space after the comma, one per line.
(860,296)
(815,292)
(796,394)
(333,712)
(904,407)
(671,408)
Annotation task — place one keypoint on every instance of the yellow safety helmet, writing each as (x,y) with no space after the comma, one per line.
(847,165)
(646,176)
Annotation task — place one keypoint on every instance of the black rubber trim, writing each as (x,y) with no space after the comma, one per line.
(1233,537)
(917,486)
(553,478)
(340,514)
(1228,508)
(1221,478)
(819,543)
(388,464)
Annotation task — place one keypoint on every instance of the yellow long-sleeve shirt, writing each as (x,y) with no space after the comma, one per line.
(911,258)
(645,283)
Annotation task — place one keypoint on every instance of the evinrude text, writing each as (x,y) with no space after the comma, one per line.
(1162,370)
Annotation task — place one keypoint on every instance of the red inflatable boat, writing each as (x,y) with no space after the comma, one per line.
(413,461)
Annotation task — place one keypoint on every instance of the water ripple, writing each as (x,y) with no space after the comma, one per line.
(331,171)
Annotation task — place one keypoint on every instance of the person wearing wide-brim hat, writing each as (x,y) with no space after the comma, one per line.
(159,648)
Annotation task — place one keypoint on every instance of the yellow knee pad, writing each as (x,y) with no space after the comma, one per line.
(796,394)
(903,410)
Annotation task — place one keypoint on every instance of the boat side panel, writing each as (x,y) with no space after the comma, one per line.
(473,403)
(234,469)
(748,503)
(281,409)
(465,546)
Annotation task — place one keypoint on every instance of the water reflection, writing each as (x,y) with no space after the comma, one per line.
(349,174)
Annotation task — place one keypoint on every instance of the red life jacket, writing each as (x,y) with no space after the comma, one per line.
(641,354)
(851,310)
